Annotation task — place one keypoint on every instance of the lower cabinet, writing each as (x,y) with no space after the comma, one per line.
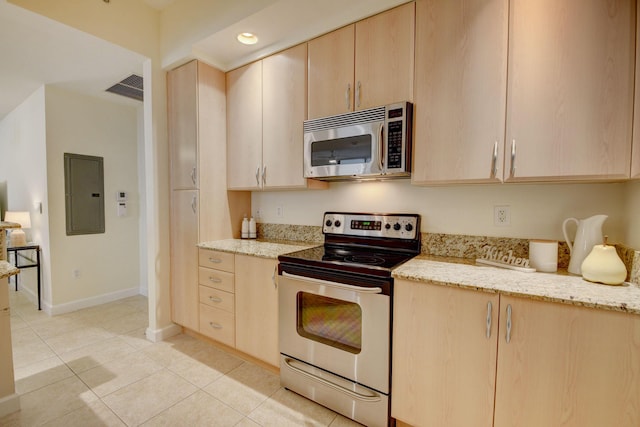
(216,295)
(546,364)
(257,308)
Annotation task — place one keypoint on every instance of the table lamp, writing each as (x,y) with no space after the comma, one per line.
(17,236)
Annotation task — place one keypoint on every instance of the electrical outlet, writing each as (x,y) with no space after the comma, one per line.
(279,211)
(258,214)
(501,216)
(75,273)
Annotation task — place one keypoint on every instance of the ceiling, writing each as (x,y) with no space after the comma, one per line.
(38,51)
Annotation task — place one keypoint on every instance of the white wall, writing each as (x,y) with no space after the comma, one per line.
(23,165)
(537,211)
(108,262)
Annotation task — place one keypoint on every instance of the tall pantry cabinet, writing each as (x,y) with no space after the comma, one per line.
(201,207)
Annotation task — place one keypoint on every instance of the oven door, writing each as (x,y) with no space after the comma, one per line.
(341,328)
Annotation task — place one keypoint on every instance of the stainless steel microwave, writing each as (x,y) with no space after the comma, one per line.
(365,144)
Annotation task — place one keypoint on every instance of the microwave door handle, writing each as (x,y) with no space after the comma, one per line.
(343,286)
(382,150)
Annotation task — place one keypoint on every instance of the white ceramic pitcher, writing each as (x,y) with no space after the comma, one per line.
(588,234)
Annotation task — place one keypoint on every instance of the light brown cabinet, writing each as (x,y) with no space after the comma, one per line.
(266,108)
(635,150)
(444,355)
(201,207)
(216,295)
(460,90)
(567,365)
(364,65)
(570,90)
(257,308)
(556,364)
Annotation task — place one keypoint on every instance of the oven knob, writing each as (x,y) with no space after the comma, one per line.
(338,223)
(408,227)
(328,223)
(387,226)
(396,226)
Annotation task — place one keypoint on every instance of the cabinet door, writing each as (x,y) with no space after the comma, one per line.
(181,106)
(257,308)
(635,161)
(444,355)
(244,127)
(284,109)
(184,258)
(567,365)
(384,58)
(460,90)
(331,65)
(570,90)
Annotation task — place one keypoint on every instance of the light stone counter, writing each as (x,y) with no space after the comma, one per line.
(542,286)
(7,270)
(259,248)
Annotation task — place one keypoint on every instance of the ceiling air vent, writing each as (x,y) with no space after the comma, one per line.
(131,87)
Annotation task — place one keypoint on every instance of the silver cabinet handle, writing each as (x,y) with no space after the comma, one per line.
(508,336)
(347,96)
(489,307)
(513,158)
(214,279)
(215,325)
(193,175)
(494,160)
(215,260)
(215,299)
(264,175)
(258,176)
(358,95)
(194,204)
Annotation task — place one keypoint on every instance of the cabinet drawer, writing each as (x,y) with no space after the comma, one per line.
(217,298)
(216,279)
(217,324)
(214,259)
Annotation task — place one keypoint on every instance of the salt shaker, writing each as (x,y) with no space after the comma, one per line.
(252,229)
(245,228)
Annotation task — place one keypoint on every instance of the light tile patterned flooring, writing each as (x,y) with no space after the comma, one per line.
(94,367)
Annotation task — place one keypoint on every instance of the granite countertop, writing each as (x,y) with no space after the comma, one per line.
(5,225)
(555,287)
(7,269)
(260,248)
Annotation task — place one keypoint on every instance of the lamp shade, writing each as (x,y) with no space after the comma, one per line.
(21,218)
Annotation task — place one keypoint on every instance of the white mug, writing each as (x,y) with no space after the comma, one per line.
(543,255)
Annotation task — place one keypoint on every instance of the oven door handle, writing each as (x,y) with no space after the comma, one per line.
(359,396)
(352,288)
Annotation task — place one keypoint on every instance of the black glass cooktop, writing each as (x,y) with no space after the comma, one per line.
(358,260)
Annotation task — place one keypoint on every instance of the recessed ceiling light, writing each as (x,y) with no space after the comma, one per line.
(247,38)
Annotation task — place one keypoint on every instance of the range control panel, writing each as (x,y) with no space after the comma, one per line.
(392,226)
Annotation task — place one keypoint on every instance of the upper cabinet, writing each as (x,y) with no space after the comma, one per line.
(182,104)
(570,90)
(364,65)
(266,107)
(460,90)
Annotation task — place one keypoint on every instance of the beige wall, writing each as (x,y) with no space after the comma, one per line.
(108,262)
(135,26)
(537,211)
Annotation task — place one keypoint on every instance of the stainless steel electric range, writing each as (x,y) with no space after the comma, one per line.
(335,309)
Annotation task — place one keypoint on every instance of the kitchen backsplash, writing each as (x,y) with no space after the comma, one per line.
(450,245)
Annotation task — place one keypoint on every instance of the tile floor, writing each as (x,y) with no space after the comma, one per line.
(94,367)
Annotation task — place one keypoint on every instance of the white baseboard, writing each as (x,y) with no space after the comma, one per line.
(9,404)
(157,335)
(54,310)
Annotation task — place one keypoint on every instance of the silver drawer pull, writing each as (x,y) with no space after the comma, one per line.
(214,279)
(215,325)
(489,319)
(215,299)
(215,260)
(509,324)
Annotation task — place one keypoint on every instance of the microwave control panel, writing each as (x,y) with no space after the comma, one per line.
(398,124)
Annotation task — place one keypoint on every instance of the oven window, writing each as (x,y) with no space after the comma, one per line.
(342,151)
(330,321)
